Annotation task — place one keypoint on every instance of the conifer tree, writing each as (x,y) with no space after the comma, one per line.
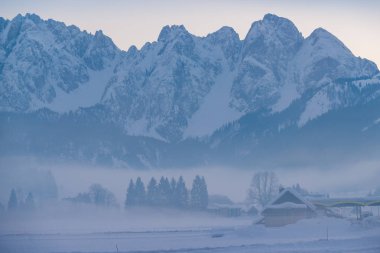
(29,202)
(181,194)
(152,192)
(131,196)
(173,186)
(199,194)
(13,202)
(51,186)
(204,194)
(140,193)
(164,191)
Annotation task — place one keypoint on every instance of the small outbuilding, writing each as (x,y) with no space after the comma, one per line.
(287,208)
(225,210)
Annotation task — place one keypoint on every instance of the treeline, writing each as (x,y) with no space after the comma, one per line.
(168,193)
(163,193)
(16,203)
(97,195)
(29,189)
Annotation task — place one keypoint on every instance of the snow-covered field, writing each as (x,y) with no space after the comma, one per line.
(185,232)
(177,241)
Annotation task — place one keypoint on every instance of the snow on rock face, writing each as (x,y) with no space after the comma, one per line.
(169,33)
(324,56)
(315,107)
(229,41)
(45,58)
(324,62)
(270,36)
(267,50)
(321,59)
(81,97)
(164,83)
(215,109)
(181,85)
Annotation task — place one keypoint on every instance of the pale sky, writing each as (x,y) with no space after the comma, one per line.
(355,22)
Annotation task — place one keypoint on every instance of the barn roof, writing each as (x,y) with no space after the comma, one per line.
(288,198)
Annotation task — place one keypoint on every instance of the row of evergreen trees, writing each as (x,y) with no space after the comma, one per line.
(165,193)
(14,203)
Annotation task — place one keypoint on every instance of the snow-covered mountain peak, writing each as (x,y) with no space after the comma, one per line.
(274,28)
(169,33)
(44,64)
(132,51)
(320,32)
(225,36)
(99,34)
(22,24)
(323,55)
(321,39)
(229,41)
(224,33)
(100,52)
(267,51)
(169,88)
(34,17)
(272,41)
(3,23)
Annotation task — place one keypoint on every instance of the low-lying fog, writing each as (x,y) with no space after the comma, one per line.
(70,180)
(355,180)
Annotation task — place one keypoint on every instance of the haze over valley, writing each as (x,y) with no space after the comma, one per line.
(267,142)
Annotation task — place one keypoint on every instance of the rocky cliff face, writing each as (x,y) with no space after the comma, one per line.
(180,86)
(43,61)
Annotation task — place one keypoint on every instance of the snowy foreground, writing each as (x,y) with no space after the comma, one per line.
(187,233)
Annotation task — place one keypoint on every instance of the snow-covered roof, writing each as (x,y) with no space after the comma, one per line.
(304,203)
(288,205)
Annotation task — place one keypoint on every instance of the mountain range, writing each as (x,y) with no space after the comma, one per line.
(273,98)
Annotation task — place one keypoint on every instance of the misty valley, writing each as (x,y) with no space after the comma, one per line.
(91,209)
(265,143)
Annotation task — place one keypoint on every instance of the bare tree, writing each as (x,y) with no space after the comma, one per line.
(264,187)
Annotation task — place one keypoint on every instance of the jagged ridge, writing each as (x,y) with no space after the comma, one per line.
(180,86)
